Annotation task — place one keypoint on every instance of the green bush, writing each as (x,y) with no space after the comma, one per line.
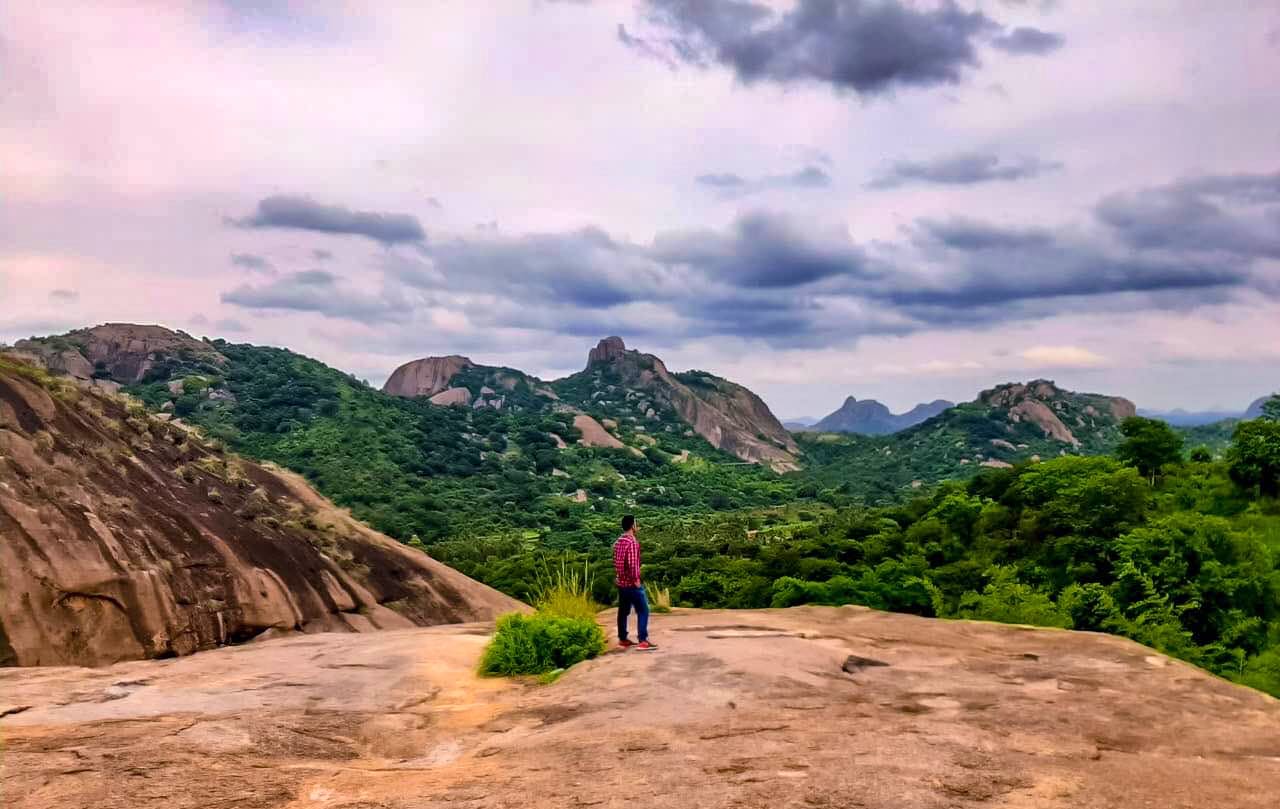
(1010,601)
(540,643)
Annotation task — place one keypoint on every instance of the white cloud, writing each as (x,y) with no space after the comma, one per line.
(1063,357)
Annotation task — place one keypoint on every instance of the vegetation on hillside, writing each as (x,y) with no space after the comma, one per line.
(1187,565)
(416,470)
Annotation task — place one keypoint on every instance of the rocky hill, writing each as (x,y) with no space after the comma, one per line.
(805,707)
(1008,424)
(632,391)
(123,353)
(1255,409)
(621,383)
(869,417)
(124,535)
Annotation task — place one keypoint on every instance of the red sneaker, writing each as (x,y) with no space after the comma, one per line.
(646,646)
(625,644)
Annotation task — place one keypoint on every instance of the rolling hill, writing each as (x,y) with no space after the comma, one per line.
(1005,425)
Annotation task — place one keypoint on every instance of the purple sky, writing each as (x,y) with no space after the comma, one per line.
(889,199)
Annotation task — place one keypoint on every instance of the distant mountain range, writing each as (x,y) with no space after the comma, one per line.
(869,417)
(1196,418)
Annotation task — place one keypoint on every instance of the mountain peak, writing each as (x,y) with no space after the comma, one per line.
(607,350)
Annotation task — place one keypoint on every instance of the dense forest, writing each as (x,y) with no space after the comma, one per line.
(1176,553)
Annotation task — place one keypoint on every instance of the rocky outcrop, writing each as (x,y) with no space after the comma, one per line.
(593,434)
(727,415)
(1044,404)
(124,536)
(607,350)
(822,707)
(425,377)
(124,352)
(452,396)
(869,417)
(1039,414)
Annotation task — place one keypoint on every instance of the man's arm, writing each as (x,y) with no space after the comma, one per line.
(633,560)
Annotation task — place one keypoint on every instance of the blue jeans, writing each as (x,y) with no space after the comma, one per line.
(629,597)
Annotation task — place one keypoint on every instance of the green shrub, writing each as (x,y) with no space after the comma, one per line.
(1263,672)
(540,643)
(1010,601)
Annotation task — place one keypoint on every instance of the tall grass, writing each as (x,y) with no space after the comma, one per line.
(561,633)
(659,598)
(565,589)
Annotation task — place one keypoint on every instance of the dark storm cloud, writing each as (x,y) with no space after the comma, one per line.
(316,291)
(1002,276)
(967,168)
(970,234)
(584,267)
(301,213)
(733,185)
(770,277)
(1031,41)
(763,251)
(252,262)
(1234,214)
(864,46)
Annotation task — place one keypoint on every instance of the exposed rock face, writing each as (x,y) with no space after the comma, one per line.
(122,536)
(1039,414)
(869,417)
(452,396)
(594,435)
(727,415)
(425,377)
(754,709)
(126,351)
(606,351)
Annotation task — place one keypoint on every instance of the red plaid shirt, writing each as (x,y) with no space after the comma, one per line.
(626,561)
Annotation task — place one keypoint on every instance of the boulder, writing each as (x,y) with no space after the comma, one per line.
(425,377)
(593,434)
(452,396)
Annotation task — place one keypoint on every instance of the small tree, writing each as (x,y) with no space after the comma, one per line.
(1253,458)
(1149,444)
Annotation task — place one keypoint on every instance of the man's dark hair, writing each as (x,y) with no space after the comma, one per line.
(628,522)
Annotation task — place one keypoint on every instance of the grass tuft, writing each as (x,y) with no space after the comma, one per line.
(565,590)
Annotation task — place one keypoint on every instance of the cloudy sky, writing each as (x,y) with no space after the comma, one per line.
(885,198)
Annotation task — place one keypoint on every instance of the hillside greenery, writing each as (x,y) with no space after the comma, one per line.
(971,514)
(415,470)
(1187,566)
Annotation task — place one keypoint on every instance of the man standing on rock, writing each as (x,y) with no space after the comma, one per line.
(626,564)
